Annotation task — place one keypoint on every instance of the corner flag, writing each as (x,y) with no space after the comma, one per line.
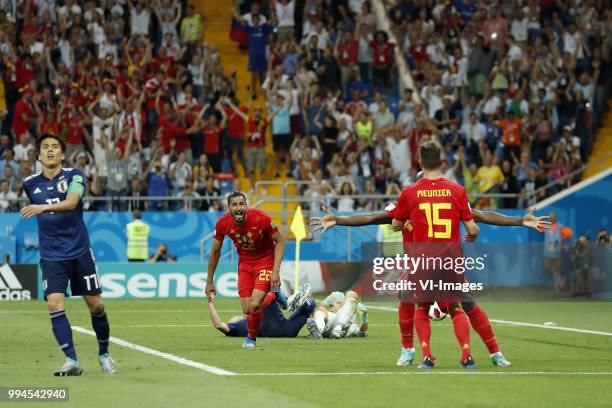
(299,231)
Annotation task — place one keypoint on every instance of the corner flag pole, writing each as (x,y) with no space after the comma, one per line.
(299,232)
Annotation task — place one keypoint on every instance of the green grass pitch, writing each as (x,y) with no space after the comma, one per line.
(551,368)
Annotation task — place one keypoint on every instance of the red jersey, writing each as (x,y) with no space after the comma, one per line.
(75,134)
(257,133)
(349,52)
(235,123)
(435,209)
(212,139)
(253,239)
(407,236)
(383,54)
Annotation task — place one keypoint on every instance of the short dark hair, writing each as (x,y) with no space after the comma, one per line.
(50,136)
(430,154)
(235,193)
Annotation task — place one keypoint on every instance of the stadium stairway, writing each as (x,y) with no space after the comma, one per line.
(601,148)
(217,23)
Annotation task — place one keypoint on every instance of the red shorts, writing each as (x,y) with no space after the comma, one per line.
(254,276)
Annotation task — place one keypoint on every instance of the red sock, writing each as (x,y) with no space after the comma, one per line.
(480,322)
(461,326)
(423,329)
(253,322)
(406,323)
(270,297)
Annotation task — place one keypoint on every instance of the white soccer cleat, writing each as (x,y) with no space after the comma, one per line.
(296,300)
(336,333)
(71,367)
(407,357)
(107,364)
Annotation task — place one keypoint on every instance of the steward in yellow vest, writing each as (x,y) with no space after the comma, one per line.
(137,239)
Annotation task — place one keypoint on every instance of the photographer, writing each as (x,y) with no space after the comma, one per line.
(162,255)
(582,258)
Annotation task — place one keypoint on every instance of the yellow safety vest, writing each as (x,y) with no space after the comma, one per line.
(138,240)
(389,238)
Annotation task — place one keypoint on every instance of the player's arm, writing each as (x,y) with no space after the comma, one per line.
(356,220)
(279,251)
(529,220)
(472,230)
(213,261)
(76,189)
(214,317)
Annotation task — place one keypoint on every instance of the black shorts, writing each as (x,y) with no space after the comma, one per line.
(282,141)
(80,272)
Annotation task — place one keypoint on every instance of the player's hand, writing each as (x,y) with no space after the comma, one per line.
(537,223)
(322,224)
(210,291)
(275,280)
(31,210)
(470,238)
(398,225)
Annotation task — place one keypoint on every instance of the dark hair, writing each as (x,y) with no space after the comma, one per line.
(235,193)
(136,214)
(50,136)
(430,153)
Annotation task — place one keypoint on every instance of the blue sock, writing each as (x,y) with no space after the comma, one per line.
(280,298)
(63,333)
(102,329)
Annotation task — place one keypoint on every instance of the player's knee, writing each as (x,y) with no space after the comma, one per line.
(454,308)
(468,306)
(352,295)
(55,303)
(94,303)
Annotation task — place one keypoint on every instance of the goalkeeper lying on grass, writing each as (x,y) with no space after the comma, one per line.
(336,317)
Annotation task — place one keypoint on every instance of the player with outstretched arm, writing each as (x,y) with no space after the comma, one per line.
(478,318)
(260,248)
(56,195)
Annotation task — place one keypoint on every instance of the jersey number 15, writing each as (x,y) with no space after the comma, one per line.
(432,213)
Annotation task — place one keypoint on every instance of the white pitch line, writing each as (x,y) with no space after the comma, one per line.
(434,372)
(167,356)
(178,311)
(523,324)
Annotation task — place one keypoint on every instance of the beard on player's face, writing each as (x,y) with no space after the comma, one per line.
(238,209)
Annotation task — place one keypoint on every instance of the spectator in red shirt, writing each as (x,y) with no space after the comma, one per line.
(23,115)
(383,60)
(212,138)
(346,52)
(236,117)
(76,134)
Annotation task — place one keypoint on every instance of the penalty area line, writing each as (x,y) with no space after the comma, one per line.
(434,372)
(161,354)
(522,324)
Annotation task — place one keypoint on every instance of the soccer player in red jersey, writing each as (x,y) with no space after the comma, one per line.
(260,248)
(435,207)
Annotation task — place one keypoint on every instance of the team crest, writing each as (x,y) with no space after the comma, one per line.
(62,186)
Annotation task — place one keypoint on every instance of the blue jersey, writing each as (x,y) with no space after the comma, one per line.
(62,235)
(274,322)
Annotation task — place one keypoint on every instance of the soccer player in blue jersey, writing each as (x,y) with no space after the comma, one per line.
(65,254)
(274,323)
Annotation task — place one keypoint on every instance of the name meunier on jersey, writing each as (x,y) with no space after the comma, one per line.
(63,235)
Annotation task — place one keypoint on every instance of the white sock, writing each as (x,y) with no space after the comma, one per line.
(319,318)
(346,313)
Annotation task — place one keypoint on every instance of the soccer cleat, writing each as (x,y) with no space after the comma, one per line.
(427,364)
(71,367)
(336,332)
(499,360)
(313,329)
(281,299)
(107,364)
(248,343)
(298,299)
(469,363)
(353,330)
(407,357)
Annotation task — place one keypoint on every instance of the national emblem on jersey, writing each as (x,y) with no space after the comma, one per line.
(62,185)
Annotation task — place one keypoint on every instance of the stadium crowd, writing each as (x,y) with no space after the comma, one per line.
(514,90)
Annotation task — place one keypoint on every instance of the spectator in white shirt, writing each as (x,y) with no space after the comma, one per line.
(8,198)
(140,17)
(180,172)
(285,10)
(473,130)
(21,150)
